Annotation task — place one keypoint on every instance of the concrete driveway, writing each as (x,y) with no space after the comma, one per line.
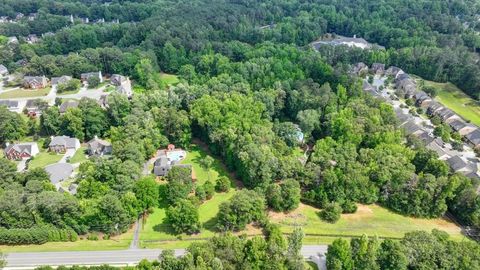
(21,165)
(68,154)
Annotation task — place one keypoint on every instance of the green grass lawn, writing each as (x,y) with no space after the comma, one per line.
(20,93)
(169,79)
(369,219)
(157,229)
(452,97)
(43,159)
(79,156)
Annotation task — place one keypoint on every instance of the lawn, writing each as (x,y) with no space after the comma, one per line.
(169,79)
(115,243)
(452,97)
(369,219)
(79,156)
(43,159)
(21,93)
(158,230)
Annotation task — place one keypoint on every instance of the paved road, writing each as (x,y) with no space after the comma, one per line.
(116,257)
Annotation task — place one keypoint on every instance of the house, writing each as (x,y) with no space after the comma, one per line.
(447,115)
(60,80)
(433,107)
(19,16)
(125,88)
(72,189)
(99,147)
(352,42)
(32,16)
(3,71)
(12,40)
(394,72)
(117,79)
(359,69)
(438,146)
(59,172)
(474,138)
(67,105)
(85,76)
(422,99)
(412,128)
(60,144)
(103,101)
(32,39)
(12,105)
(378,68)
(461,127)
(35,107)
(458,164)
(35,82)
(18,151)
(162,166)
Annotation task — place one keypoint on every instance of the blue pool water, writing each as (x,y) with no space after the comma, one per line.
(176,155)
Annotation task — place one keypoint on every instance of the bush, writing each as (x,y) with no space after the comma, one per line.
(331,213)
(93,82)
(72,85)
(92,237)
(200,193)
(223,184)
(209,189)
(349,207)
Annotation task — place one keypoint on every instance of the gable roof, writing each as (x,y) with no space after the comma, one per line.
(21,147)
(68,104)
(474,137)
(60,80)
(457,163)
(97,143)
(66,141)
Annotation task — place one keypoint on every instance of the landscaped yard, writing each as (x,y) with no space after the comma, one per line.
(452,97)
(20,93)
(370,219)
(79,156)
(43,159)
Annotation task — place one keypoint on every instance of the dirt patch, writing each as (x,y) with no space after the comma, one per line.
(363,211)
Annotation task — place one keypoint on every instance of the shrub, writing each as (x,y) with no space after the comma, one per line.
(200,193)
(331,213)
(93,82)
(209,189)
(72,85)
(92,237)
(223,184)
(36,235)
(349,207)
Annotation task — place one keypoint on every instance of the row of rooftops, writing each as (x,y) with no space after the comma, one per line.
(470,132)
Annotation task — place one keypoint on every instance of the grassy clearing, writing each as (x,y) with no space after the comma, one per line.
(23,93)
(43,159)
(452,97)
(79,156)
(115,243)
(169,79)
(369,219)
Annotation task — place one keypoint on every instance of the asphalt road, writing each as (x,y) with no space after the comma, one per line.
(114,257)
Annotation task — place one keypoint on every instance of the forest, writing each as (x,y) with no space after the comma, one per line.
(244,90)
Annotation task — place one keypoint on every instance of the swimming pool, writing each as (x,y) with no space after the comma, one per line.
(176,155)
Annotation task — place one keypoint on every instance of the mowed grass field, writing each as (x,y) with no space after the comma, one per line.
(79,156)
(453,98)
(169,79)
(369,219)
(20,93)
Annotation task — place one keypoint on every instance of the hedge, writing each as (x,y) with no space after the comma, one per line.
(36,235)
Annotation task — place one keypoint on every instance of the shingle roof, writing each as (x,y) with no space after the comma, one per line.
(68,104)
(9,103)
(21,147)
(64,141)
(474,137)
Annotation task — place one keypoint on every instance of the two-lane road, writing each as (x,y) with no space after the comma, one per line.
(114,257)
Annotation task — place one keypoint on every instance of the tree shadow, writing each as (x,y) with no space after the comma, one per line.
(211,224)
(164,227)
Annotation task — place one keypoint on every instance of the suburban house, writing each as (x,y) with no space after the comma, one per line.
(461,165)
(360,69)
(3,71)
(12,40)
(32,39)
(102,101)
(461,127)
(345,41)
(18,151)
(394,72)
(60,144)
(405,85)
(61,80)
(117,79)
(99,147)
(67,105)
(412,128)
(162,166)
(85,76)
(473,138)
(32,107)
(125,88)
(59,172)
(378,68)
(447,115)
(12,105)
(35,82)
(422,99)
(433,107)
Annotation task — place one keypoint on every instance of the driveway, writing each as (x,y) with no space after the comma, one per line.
(21,165)
(68,154)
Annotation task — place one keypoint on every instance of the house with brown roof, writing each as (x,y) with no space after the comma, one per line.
(99,147)
(18,151)
(35,82)
(378,68)
(473,138)
(461,127)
